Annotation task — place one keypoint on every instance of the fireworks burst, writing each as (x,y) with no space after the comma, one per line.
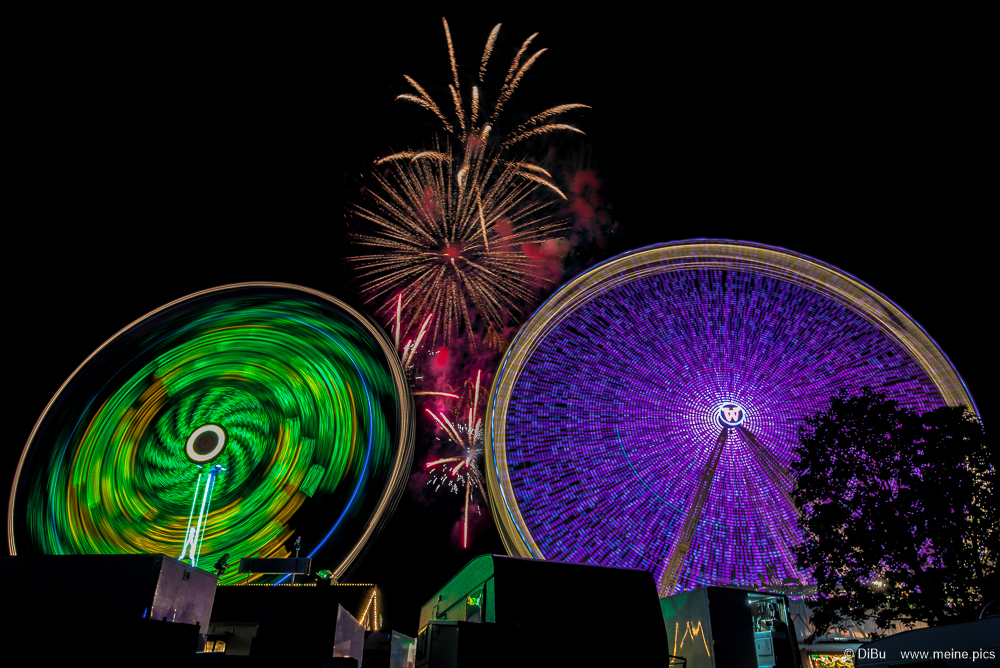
(452,224)
(461,471)
(410,348)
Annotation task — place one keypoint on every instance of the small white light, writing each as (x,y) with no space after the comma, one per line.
(201,454)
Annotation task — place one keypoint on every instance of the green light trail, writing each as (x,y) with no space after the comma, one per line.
(278,373)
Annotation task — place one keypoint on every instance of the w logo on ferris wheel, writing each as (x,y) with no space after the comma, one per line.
(731,415)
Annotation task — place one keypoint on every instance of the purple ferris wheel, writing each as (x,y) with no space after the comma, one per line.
(645,415)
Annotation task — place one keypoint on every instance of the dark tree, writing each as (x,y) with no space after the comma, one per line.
(899,513)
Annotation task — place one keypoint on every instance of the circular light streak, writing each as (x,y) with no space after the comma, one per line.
(205,443)
(298,399)
(645,416)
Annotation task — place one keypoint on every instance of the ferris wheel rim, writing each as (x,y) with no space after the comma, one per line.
(399,467)
(516,535)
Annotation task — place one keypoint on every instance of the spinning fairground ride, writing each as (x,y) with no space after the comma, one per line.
(230,421)
(645,416)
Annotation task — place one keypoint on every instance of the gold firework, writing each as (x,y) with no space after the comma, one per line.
(452,225)
(452,242)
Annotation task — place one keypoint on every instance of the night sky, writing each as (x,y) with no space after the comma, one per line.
(160,162)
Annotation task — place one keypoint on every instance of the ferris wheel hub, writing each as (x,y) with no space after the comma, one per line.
(205,443)
(730,414)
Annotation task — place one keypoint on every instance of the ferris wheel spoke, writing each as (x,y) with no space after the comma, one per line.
(777,473)
(779,526)
(683,543)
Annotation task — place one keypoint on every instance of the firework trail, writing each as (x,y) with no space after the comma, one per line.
(408,350)
(459,473)
(452,223)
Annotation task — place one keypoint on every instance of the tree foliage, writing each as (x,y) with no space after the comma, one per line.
(899,513)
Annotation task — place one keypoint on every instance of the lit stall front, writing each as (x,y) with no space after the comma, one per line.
(714,627)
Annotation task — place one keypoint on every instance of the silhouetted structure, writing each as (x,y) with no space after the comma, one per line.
(507,611)
(104,606)
(289,621)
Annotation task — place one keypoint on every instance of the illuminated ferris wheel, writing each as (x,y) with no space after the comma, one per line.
(230,421)
(645,415)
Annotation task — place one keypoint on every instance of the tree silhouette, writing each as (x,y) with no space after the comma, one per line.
(899,513)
